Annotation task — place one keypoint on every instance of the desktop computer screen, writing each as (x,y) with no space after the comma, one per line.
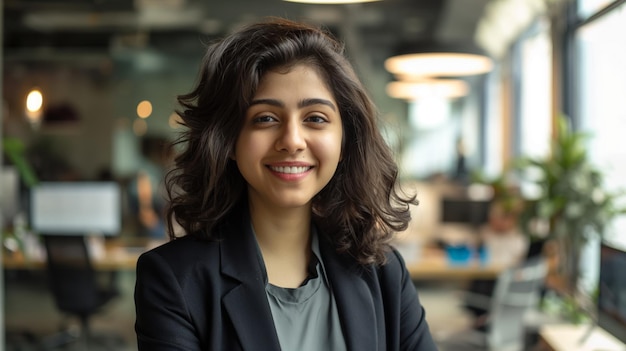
(465,211)
(76,208)
(612,291)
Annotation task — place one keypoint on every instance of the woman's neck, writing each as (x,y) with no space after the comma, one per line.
(284,239)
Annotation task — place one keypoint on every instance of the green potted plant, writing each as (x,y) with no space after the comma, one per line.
(572,203)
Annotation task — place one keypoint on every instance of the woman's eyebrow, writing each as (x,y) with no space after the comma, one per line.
(301,104)
(272,102)
(316,101)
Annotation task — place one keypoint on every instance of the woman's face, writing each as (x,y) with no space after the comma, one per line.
(290,143)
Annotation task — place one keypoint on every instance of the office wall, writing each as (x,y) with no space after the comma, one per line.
(103,96)
(85,143)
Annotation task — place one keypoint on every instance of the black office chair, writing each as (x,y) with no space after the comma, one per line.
(75,286)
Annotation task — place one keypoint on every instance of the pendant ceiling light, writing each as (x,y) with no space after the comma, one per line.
(439,60)
(428,88)
(330,2)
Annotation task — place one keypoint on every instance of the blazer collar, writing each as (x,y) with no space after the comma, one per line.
(247,304)
(353,298)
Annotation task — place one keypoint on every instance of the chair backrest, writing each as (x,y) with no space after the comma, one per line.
(70,273)
(517,290)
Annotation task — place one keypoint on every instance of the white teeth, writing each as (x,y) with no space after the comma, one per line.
(290,170)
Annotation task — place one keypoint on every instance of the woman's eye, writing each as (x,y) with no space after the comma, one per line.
(316,119)
(264,119)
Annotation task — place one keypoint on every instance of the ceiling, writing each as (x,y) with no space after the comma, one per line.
(52,29)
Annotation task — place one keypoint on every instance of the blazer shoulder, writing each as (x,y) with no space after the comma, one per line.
(394,268)
(189,243)
(184,252)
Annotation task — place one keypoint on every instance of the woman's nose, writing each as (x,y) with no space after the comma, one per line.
(291,138)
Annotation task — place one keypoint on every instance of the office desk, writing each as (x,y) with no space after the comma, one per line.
(116,255)
(432,263)
(567,337)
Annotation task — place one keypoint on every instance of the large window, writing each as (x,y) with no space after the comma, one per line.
(587,8)
(535,112)
(602,89)
(532,96)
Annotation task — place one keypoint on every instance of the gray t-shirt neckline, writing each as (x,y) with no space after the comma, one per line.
(306,318)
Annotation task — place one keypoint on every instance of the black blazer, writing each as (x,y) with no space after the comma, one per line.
(210,295)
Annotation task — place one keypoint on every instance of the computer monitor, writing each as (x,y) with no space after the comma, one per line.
(76,208)
(612,290)
(465,211)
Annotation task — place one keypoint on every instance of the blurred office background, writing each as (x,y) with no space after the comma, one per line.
(89,92)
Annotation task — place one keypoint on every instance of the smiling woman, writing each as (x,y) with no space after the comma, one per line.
(288,196)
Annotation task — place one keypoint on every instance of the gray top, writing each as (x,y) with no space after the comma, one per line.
(306,318)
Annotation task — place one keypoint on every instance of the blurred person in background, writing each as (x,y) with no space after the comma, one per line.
(147,189)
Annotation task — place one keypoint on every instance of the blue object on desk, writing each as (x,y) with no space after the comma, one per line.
(459,254)
(483,255)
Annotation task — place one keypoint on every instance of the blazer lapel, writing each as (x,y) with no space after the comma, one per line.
(354,300)
(247,304)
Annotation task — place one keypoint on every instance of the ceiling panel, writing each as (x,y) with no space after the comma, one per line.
(103,26)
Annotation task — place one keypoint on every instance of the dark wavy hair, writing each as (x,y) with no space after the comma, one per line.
(358,210)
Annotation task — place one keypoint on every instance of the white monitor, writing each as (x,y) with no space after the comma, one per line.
(76,208)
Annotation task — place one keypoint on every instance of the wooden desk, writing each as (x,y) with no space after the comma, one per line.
(432,263)
(568,337)
(116,256)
